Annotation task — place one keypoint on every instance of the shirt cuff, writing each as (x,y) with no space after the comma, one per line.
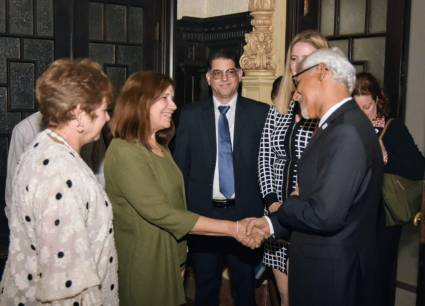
(270,225)
(270,198)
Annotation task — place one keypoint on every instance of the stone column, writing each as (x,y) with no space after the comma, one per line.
(258,60)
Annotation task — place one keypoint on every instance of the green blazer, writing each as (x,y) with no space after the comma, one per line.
(150,221)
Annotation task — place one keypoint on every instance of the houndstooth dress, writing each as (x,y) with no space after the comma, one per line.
(282,144)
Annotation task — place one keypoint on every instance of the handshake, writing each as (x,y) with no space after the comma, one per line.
(251,232)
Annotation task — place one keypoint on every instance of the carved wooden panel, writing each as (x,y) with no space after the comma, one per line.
(196,38)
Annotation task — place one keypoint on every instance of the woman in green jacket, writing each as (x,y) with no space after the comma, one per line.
(147,193)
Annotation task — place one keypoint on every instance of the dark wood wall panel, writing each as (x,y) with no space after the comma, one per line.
(373,33)
(196,38)
(26,48)
(123,35)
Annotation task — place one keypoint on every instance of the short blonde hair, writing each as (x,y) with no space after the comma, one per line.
(286,89)
(67,83)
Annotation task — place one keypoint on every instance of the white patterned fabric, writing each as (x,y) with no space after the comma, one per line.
(282,144)
(62,250)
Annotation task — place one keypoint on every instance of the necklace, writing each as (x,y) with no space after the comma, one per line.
(55,136)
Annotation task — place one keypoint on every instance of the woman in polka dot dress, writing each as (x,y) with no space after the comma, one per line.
(62,249)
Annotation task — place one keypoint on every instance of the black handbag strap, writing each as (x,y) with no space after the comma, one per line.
(385,128)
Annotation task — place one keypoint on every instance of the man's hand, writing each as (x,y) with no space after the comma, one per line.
(254,239)
(258,224)
(274,207)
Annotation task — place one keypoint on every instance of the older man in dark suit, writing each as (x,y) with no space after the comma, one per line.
(216,149)
(333,220)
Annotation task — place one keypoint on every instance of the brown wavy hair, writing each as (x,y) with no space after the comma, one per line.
(67,83)
(131,118)
(367,84)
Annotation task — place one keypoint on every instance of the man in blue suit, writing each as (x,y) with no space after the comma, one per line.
(216,149)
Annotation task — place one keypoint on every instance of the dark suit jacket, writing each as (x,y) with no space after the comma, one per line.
(195,154)
(333,255)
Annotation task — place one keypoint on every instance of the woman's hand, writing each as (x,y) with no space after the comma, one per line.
(384,152)
(252,239)
(274,207)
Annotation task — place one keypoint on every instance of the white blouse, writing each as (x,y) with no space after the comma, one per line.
(62,250)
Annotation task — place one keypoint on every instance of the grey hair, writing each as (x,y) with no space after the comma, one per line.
(336,61)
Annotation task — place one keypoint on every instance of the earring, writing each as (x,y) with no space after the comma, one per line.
(80,126)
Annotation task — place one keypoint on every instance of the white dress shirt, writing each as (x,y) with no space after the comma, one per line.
(330,111)
(231,119)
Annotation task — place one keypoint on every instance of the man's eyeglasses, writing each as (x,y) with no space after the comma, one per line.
(295,77)
(230,73)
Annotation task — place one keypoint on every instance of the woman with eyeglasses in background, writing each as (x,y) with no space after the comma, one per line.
(285,136)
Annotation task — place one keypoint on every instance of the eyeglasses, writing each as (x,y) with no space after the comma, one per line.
(295,80)
(230,73)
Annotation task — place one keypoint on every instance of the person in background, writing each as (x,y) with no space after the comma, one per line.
(216,148)
(285,136)
(401,157)
(61,249)
(147,193)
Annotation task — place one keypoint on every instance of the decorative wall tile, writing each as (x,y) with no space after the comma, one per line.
(21,86)
(39,50)
(118,75)
(131,56)
(3,157)
(95,21)
(2,16)
(9,48)
(8,121)
(21,17)
(45,17)
(116,23)
(3,99)
(102,53)
(135,25)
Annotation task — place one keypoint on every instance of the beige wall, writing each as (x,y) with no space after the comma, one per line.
(415,108)
(208,8)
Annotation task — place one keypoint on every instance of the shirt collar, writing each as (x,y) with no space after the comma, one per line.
(332,110)
(232,102)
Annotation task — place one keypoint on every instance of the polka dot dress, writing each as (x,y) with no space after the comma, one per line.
(62,250)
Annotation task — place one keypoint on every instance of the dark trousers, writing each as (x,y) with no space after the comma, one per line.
(389,239)
(208,257)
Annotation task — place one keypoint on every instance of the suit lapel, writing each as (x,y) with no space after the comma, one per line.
(345,107)
(328,123)
(240,123)
(208,124)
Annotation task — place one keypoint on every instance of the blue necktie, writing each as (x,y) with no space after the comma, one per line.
(225,158)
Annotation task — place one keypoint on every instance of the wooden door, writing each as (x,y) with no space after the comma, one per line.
(123,35)
(372,33)
(420,222)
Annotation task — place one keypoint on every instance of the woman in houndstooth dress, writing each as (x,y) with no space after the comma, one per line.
(285,136)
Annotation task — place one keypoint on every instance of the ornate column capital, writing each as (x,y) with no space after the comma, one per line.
(257,56)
